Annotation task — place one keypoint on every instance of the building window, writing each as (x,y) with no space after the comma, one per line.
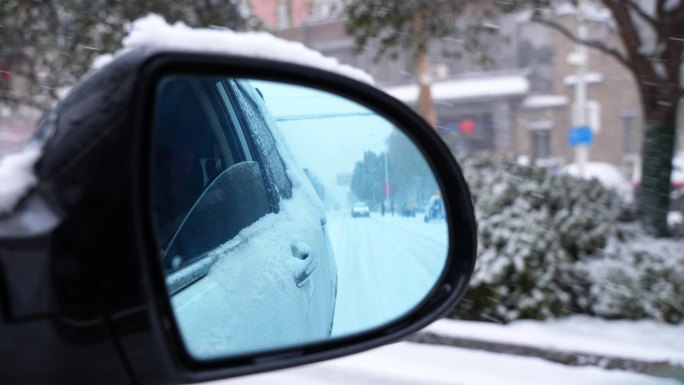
(540,139)
(629,131)
(541,144)
(283,14)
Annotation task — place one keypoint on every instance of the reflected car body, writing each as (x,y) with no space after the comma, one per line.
(360,209)
(247,257)
(434,209)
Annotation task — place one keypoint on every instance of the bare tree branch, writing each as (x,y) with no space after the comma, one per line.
(640,11)
(597,44)
(660,7)
(639,63)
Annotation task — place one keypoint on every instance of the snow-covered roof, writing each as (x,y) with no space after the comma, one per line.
(154,31)
(467,88)
(545,101)
(540,125)
(592,12)
(589,78)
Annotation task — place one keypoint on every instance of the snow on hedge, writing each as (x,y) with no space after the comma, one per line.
(637,278)
(605,173)
(154,31)
(555,245)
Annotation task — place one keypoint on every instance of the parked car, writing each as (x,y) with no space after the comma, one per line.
(408,210)
(360,209)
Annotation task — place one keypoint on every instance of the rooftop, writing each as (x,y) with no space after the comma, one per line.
(467,88)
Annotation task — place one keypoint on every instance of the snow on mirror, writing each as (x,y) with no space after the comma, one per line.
(287,215)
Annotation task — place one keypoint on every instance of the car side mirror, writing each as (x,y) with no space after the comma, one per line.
(223,215)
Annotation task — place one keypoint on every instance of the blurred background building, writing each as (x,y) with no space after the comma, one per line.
(522,107)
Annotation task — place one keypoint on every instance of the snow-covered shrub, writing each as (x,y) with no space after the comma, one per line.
(554,245)
(533,227)
(640,277)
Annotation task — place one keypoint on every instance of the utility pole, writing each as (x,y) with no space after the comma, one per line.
(580,118)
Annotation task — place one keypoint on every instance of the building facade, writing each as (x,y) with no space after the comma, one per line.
(524,109)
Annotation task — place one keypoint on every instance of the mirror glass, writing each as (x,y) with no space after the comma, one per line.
(287,215)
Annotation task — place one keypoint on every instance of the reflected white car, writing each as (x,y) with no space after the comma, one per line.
(246,253)
(360,209)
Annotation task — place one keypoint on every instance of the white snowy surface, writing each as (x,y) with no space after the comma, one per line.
(591,11)
(17,176)
(606,173)
(248,300)
(590,78)
(409,363)
(677,176)
(386,266)
(544,101)
(645,340)
(154,31)
(466,88)
(678,168)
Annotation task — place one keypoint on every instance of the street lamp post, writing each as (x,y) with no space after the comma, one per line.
(387,186)
(580,107)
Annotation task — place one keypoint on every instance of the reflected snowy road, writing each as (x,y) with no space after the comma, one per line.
(386,265)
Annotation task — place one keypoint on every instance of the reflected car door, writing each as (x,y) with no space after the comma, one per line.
(303,212)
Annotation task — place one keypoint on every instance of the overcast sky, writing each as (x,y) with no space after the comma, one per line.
(328,134)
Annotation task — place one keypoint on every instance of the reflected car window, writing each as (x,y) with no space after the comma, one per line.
(199,150)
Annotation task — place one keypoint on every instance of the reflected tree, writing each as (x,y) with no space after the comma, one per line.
(368,177)
(412,179)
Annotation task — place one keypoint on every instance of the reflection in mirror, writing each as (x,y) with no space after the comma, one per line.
(287,215)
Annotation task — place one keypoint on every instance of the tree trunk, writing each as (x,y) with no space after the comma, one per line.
(653,199)
(426,107)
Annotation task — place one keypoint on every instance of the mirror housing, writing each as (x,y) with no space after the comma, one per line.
(100,291)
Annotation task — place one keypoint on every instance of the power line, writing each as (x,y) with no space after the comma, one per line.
(286,118)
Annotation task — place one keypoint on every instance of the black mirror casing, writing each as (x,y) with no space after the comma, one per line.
(95,291)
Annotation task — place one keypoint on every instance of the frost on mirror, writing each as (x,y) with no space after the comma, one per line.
(287,215)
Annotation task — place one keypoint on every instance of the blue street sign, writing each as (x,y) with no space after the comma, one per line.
(578,136)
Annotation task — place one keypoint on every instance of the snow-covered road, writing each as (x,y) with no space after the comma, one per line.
(386,266)
(409,363)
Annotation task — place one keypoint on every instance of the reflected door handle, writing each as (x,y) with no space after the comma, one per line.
(301,250)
